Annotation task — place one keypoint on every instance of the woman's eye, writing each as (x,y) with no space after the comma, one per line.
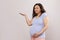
(36,8)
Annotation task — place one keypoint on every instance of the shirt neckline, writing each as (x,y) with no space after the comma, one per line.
(39,16)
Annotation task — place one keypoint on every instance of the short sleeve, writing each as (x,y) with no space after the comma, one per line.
(44,15)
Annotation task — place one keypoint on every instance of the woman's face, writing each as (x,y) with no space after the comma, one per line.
(37,9)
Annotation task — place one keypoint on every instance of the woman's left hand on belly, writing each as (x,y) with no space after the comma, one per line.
(36,34)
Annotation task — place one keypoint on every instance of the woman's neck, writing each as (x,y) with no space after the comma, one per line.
(39,14)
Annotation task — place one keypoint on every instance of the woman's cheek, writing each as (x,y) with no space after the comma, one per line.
(36,11)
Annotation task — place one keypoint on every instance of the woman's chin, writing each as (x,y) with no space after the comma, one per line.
(36,13)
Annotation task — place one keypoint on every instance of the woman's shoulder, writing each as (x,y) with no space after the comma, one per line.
(44,15)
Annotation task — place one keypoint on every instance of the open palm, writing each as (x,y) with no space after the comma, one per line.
(22,14)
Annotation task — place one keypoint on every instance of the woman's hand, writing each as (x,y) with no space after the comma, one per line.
(22,14)
(36,34)
(29,22)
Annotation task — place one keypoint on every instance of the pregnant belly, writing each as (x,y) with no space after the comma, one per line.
(35,29)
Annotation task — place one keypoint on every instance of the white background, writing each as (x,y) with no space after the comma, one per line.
(13,26)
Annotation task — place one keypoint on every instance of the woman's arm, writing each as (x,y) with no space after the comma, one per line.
(28,21)
(45,25)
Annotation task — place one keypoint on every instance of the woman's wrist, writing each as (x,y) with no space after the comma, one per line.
(40,33)
(25,16)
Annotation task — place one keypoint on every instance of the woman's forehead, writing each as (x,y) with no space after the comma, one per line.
(36,6)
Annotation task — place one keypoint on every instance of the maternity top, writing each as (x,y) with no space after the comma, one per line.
(37,25)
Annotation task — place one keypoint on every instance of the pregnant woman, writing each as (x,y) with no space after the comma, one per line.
(38,23)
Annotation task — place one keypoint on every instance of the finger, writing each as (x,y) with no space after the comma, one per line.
(34,35)
(20,13)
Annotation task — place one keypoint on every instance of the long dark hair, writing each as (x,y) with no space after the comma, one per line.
(41,7)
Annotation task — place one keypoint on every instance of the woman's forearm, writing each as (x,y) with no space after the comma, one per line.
(44,29)
(28,21)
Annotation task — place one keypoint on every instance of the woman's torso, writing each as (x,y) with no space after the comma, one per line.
(37,24)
